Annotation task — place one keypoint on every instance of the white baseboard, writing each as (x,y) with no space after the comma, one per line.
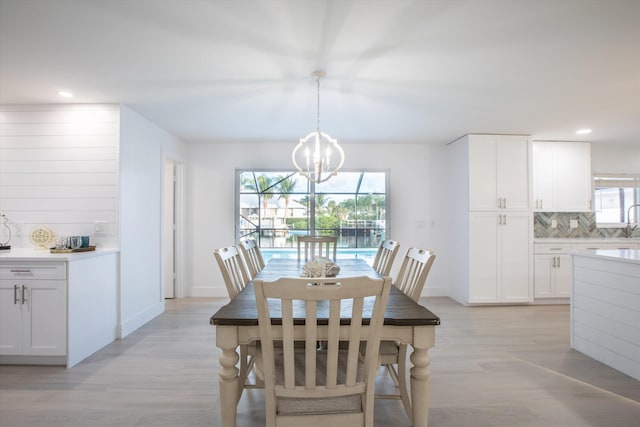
(131,324)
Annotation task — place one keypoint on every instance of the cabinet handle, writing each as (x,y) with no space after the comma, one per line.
(504,204)
(558,262)
(27,271)
(24,293)
(554,262)
(15,294)
(504,221)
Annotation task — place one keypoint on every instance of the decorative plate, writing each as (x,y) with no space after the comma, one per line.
(41,237)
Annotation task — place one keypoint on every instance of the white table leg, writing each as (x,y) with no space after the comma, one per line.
(226,339)
(424,338)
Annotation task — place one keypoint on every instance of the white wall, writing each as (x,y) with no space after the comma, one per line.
(607,158)
(59,169)
(143,149)
(418,201)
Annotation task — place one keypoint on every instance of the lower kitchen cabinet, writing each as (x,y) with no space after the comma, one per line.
(57,309)
(552,275)
(33,310)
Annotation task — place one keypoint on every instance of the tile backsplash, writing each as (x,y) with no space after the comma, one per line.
(586,226)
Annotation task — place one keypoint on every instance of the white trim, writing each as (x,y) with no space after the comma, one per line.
(140,319)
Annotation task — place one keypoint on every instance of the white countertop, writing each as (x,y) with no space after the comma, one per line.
(586,240)
(31,254)
(624,255)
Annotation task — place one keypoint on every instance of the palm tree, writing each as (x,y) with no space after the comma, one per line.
(264,191)
(286,187)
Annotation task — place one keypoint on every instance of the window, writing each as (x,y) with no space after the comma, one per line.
(275,206)
(613,196)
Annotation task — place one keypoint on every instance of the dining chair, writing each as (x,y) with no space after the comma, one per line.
(317,246)
(385,256)
(252,256)
(411,279)
(331,386)
(236,278)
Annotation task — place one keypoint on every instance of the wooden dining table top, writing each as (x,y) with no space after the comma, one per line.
(401,310)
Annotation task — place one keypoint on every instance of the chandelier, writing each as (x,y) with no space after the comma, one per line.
(318,156)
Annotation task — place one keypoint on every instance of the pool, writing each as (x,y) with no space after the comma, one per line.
(367,254)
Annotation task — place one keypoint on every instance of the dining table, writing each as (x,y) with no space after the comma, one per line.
(405,321)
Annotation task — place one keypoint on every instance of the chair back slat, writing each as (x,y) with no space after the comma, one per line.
(385,256)
(252,256)
(233,269)
(414,271)
(296,300)
(317,246)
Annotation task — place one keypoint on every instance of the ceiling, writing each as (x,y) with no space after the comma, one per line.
(397,71)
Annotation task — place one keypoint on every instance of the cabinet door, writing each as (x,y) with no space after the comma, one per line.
(543,177)
(483,173)
(515,257)
(542,276)
(483,261)
(573,176)
(10,318)
(45,318)
(512,162)
(562,279)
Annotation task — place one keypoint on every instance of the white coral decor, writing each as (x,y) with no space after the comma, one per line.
(320,267)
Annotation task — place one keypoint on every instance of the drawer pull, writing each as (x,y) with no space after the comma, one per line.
(27,271)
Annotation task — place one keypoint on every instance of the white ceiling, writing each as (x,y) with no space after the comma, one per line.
(397,71)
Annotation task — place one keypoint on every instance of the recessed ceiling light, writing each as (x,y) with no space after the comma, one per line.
(65,94)
(583,131)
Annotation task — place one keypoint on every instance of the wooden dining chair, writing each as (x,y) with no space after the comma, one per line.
(411,279)
(252,256)
(385,256)
(236,278)
(332,386)
(317,246)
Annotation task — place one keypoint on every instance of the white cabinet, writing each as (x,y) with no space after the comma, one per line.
(499,172)
(33,309)
(499,257)
(490,182)
(561,176)
(552,271)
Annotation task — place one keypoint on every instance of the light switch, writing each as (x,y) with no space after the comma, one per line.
(573,223)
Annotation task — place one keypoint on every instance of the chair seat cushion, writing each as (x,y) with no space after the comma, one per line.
(299,406)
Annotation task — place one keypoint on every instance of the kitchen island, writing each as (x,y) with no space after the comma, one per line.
(57,309)
(605,307)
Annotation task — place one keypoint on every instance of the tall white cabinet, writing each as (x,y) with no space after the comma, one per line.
(492,219)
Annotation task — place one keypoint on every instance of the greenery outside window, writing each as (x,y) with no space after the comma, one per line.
(275,206)
(613,196)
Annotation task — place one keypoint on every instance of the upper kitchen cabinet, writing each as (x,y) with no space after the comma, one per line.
(499,172)
(561,176)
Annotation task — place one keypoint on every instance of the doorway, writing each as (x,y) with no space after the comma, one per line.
(172,232)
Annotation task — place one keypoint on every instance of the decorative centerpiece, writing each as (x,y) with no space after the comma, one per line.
(5,232)
(320,267)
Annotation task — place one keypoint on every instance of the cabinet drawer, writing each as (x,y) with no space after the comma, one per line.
(604,245)
(33,271)
(547,248)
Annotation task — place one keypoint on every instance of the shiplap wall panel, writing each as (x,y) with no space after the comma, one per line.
(59,168)
(605,310)
(53,179)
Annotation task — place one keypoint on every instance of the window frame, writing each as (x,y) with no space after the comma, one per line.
(311,194)
(617,181)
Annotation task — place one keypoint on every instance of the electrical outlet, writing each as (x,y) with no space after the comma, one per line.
(100,227)
(554,223)
(19,227)
(573,223)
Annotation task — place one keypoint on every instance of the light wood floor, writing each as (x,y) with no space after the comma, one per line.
(492,366)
